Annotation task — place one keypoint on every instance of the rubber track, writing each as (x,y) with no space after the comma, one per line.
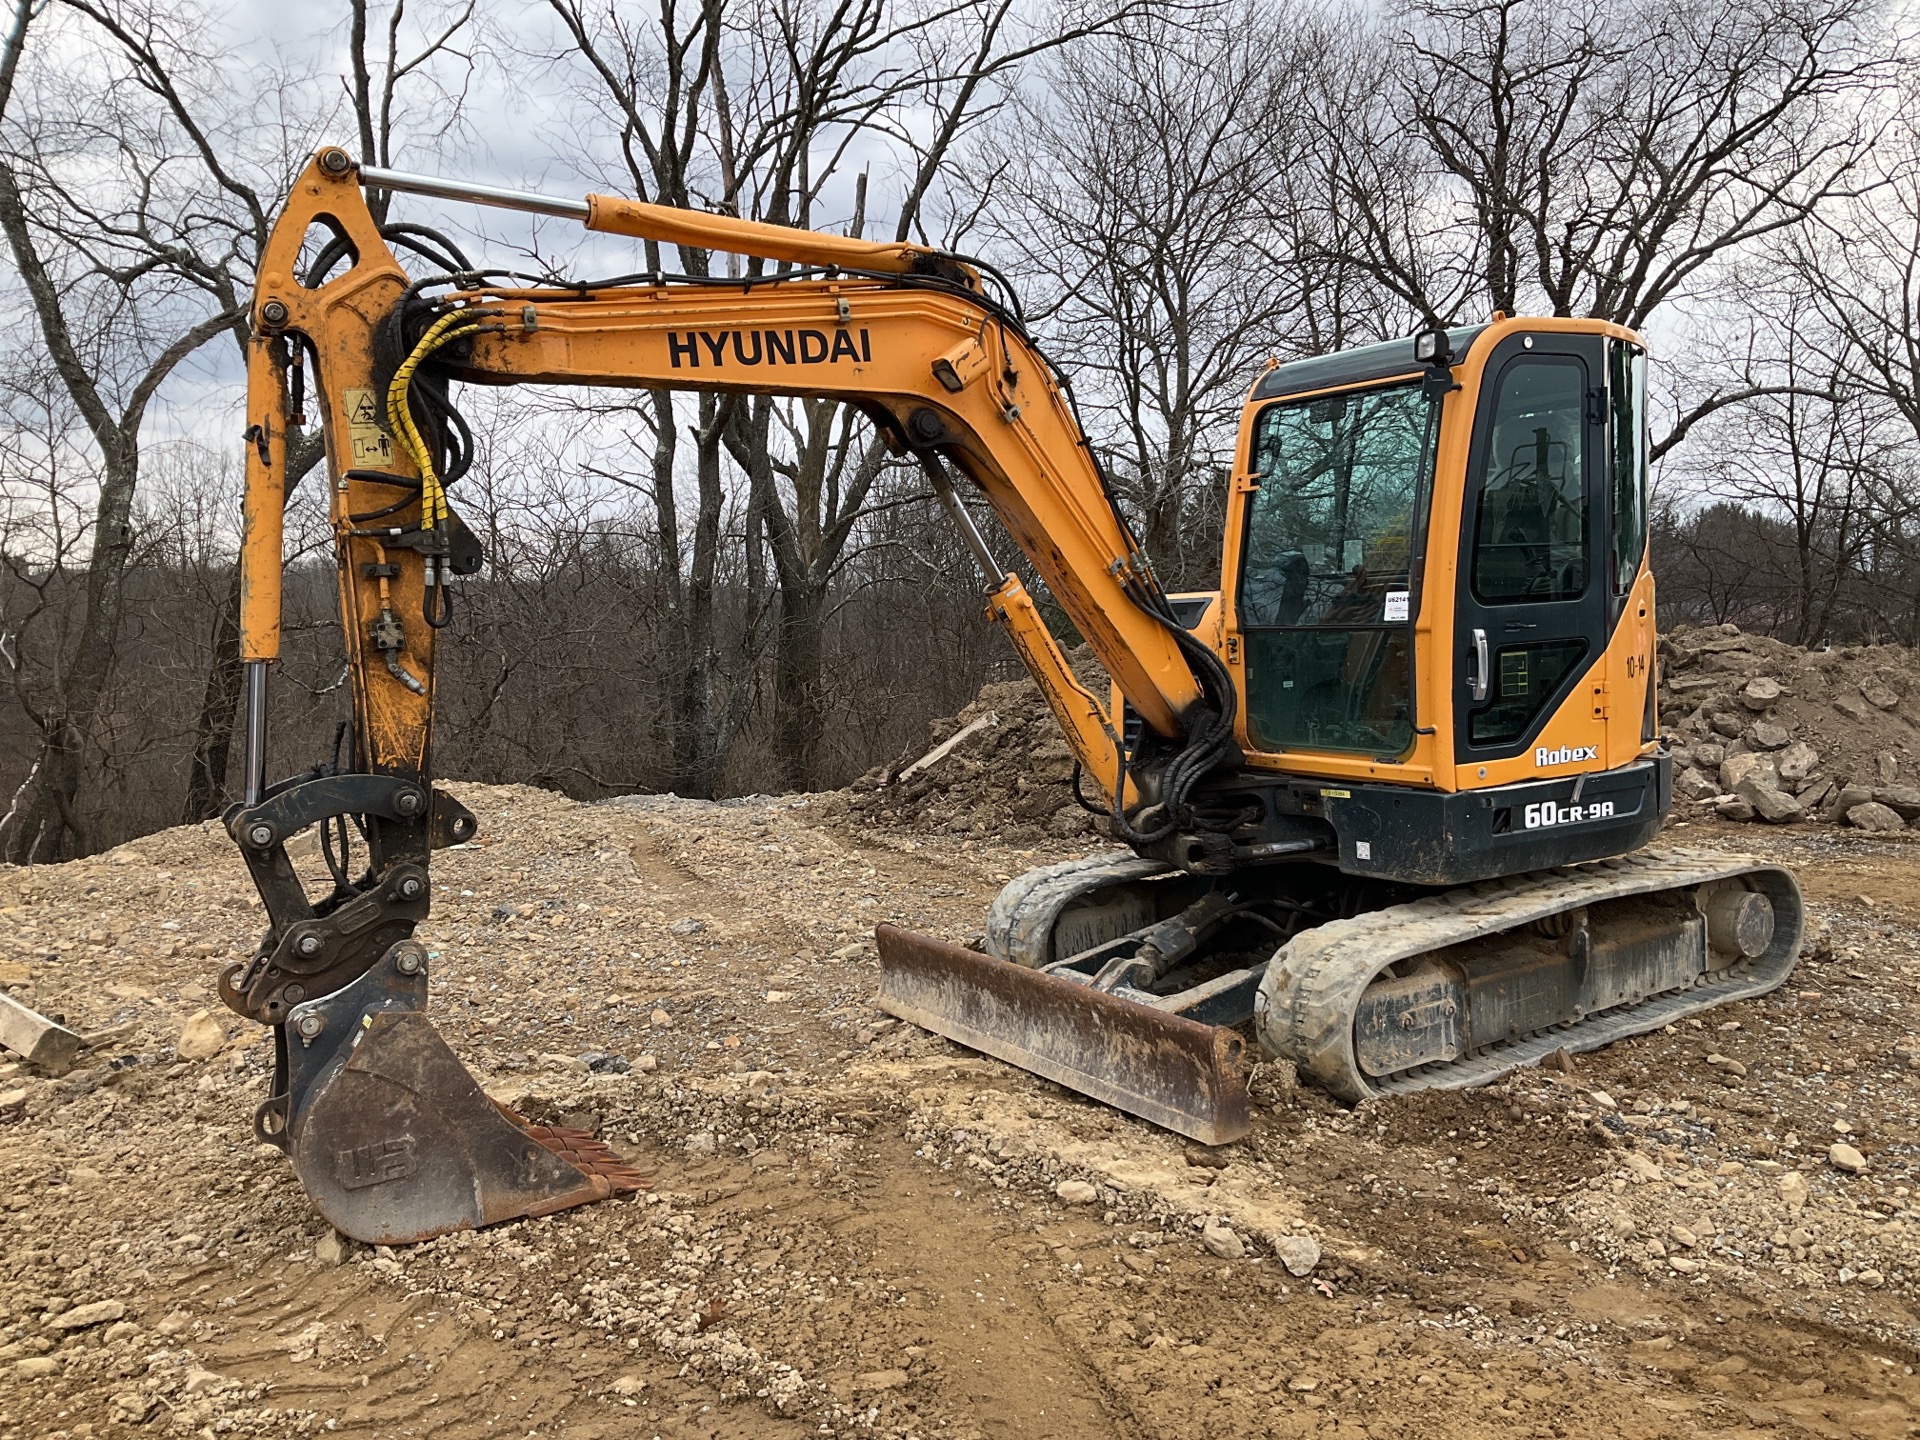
(1021,919)
(1306,1002)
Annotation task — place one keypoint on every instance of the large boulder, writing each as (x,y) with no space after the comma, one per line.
(1849,796)
(1903,800)
(1765,735)
(1874,816)
(1797,762)
(1708,754)
(1732,807)
(1692,785)
(1736,769)
(1878,693)
(1770,803)
(1762,692)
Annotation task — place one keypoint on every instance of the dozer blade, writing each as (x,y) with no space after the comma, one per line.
(394,1140)
(1176,1072)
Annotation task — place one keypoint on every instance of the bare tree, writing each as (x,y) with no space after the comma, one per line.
(104,292)
(1810,451)
(1601,157)
(1138,180)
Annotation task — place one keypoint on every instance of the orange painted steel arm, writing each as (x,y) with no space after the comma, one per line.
(670,225)
(931,363)
(334,325)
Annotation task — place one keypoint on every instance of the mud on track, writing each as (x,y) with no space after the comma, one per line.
(855,1229)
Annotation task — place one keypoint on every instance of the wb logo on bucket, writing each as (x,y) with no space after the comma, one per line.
(380,1163)
(1565,755)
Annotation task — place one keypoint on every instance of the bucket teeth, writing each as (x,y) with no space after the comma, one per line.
(586,1154)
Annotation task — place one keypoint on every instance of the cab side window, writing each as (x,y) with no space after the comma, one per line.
(1530,535)
(1627,394)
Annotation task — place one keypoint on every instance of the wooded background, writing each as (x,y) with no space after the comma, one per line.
(718,596)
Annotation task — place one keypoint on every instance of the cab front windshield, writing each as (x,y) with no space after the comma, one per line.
(1328,574)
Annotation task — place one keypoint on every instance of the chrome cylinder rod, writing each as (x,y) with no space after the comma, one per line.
(256,756)
(990,570)
(374,178)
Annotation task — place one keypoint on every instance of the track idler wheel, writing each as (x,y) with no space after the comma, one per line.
(394,1140)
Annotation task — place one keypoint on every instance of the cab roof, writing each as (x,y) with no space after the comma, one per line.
(1356,366)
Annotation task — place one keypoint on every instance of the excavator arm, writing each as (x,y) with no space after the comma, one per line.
(385,1128)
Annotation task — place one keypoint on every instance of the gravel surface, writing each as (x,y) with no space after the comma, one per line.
(859,1228)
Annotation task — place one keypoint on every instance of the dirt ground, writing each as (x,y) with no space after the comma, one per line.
(856,1228)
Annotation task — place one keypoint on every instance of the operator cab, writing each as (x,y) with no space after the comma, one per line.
(1435,598)
(1363,477)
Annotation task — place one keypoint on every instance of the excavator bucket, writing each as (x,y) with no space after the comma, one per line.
(392,1137)
(1176,1072)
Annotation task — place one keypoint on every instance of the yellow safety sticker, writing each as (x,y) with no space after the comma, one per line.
(368,441)
(1336,794)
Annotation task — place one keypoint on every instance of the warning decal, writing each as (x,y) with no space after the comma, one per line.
(368,441)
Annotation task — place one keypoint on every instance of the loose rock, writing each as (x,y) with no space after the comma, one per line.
(1736,770)
(100,1312)
(1299,1253)
(1874,816)
(1879,695)
(201,1037)
(1793,1190)
(1903,800)
(1076,1192)
(1797,762)
(1844,1157)
(1220,1240)
(1770,804)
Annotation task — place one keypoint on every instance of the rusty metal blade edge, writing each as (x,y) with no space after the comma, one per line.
(1178,1073)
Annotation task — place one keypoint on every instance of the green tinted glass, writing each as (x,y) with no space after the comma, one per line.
(1525,678)
(1330,569)
(1627,391)
(1329,690)
(1334,524)
(1530,536)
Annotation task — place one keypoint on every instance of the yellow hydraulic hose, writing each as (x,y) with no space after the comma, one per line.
(444,331)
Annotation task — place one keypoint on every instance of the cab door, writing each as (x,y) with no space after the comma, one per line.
(1532,603)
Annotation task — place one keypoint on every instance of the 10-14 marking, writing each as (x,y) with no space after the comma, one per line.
(1546,813)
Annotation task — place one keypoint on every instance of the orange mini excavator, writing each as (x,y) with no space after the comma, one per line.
(1384,794)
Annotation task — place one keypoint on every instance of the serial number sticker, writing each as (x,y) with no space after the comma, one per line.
(1336,794)
(367,439)
(1548,814)
(1397,607)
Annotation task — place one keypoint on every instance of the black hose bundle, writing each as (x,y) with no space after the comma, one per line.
(1209,743)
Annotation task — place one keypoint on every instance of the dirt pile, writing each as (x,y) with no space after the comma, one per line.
(999,768)
(1767,731)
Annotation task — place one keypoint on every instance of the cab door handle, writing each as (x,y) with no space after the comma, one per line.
(1479,665)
